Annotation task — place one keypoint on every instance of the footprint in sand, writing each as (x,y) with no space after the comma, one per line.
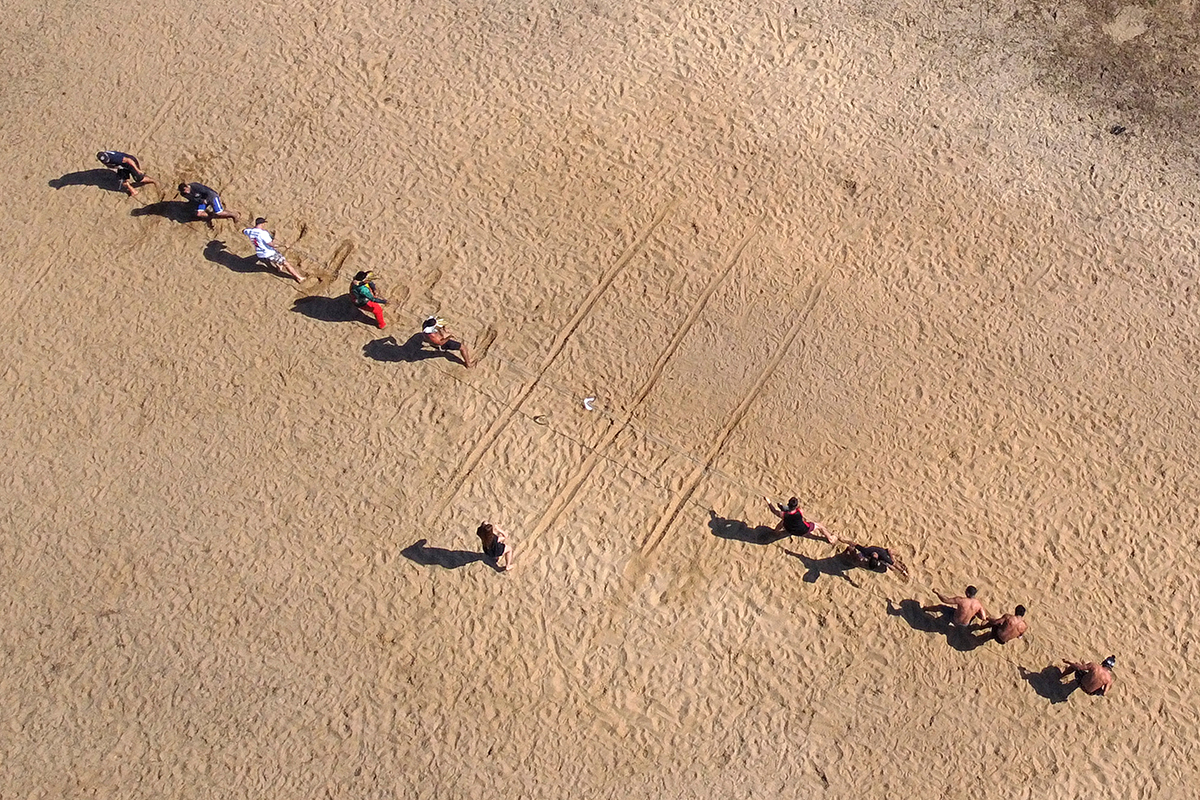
(484,342)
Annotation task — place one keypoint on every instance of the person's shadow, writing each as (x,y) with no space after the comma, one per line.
(100,178)
(419,552)
(834,566)
(739,531)
(389,350)
(1049,683)
(174,210)
(961,639)
(216,252)
(330,309)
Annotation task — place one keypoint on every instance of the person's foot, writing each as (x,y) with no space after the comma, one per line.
(132,191)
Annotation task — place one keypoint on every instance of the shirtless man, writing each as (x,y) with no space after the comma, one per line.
(437,334)
(962,610)
(495,545)
(1007,627)
(129,171)
(207,202)
(793,523)
(1093,678)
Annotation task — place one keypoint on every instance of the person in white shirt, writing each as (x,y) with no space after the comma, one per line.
(266,252)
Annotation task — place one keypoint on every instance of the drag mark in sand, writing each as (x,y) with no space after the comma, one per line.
(566,495)
(167,104)
(485,442)
(667,518)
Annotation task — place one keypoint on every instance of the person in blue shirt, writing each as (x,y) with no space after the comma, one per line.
(129,171)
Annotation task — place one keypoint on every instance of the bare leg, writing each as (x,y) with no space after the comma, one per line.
(127,188)
(466,354)
(820,530)
(224,215)
(286,267)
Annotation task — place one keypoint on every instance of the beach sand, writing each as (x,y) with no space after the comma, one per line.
(896,260)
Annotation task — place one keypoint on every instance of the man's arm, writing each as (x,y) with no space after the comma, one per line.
(777,511)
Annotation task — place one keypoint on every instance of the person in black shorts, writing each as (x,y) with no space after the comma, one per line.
(793,523)
(206,202)
(435,333)
(129,171)
(878,559)
(495,545)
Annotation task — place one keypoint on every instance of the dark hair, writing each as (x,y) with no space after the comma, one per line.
(102,157)
(260,220)
(484,530)
(1020,611)
(972,591)
(429,322)
(183,187)
(362,276)
(795,501)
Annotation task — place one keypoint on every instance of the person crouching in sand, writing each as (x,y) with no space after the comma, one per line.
(437,334)
(129,171)
(495,545)
(877,559)
(1093,678)
(1006,627)
(793,523)
(362,294)
(962,610)
(264,249)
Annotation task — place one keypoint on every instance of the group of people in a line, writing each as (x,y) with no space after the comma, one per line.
(207,206)
(964,613)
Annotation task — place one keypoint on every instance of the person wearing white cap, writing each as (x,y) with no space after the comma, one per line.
(264,248)
(1093,678)
(437,334)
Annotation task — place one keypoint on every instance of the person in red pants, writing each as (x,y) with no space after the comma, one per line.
(362,293)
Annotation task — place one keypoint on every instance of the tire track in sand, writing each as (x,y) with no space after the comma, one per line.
(659,532)
(485,442)
(563,498)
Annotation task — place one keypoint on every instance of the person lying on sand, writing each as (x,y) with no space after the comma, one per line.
(1093,678)
(264,248)
(129,171)
(206,202)
(495,545)
(793,523)
(962,610)
(1006,627)
(437,334)
(362,294)
(873,558)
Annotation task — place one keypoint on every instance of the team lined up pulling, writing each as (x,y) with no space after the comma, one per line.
(964,613)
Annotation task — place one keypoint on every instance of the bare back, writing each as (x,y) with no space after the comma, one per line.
(1011,627)
(1094,678)
(967,609)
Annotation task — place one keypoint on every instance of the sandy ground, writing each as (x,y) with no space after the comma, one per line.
(889,258)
